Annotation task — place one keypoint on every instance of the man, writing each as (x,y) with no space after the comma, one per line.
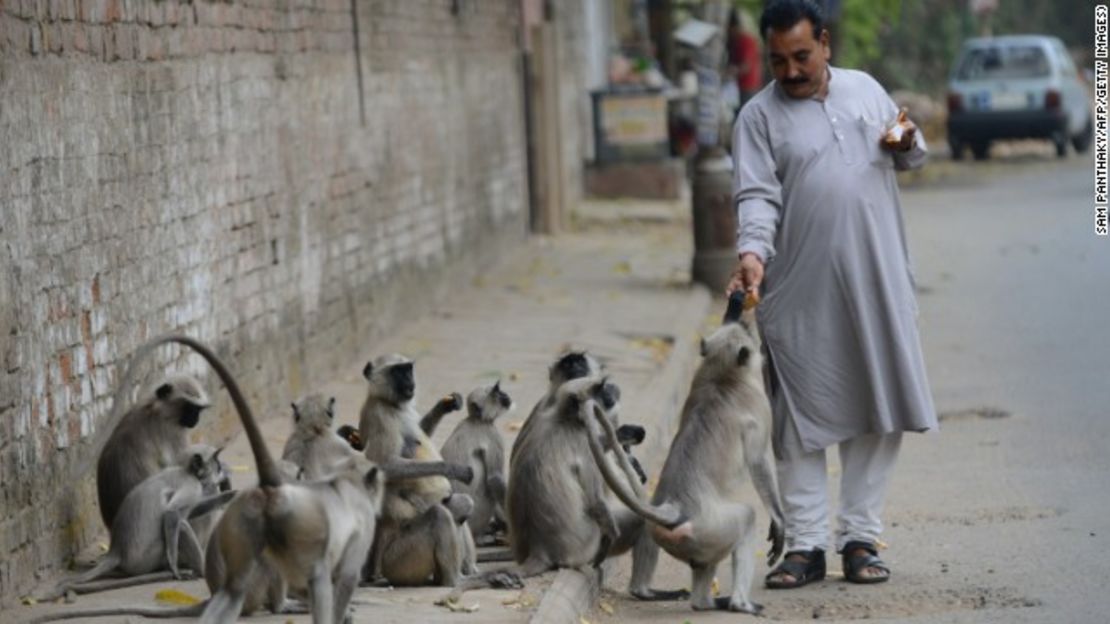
(818,210)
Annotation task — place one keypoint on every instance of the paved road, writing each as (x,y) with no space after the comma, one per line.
(1004,516)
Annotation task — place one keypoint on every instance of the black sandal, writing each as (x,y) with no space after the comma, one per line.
(804,572)
(854,564)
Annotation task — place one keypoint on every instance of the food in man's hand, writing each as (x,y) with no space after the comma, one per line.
(897,129)
(751,299)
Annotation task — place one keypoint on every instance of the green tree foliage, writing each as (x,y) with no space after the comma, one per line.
(911,44)
(920,41)
(920,44)
(857,33)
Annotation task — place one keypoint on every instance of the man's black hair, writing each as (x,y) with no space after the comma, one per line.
(785,14)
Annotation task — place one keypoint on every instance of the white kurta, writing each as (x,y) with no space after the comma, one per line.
(817,199)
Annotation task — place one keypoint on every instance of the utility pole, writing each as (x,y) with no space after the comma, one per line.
(713,214)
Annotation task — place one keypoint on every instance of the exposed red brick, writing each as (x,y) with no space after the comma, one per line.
(66,365)
(113,12)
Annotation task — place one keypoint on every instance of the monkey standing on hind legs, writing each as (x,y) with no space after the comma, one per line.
(724,429)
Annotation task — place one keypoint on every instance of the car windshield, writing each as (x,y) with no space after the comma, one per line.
(995,62)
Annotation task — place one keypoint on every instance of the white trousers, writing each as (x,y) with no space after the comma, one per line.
(866,463)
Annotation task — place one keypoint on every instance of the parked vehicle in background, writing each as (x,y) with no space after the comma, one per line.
(1017,87)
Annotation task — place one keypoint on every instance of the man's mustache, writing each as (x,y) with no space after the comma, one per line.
(795,81)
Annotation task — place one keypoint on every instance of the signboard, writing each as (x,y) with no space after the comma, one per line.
(630,125)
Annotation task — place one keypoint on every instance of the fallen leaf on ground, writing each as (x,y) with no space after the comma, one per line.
(455,607)
(175,597)
(607,608)
(29,601)
(716,586)
(103,547)
(659,347)
(240,468)
(522,601)
(881,545)
(622,268)
(515,425)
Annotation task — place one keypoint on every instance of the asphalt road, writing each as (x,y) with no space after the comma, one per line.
(1004,515)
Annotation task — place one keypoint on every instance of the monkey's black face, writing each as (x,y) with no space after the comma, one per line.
(607,394)
(573,366)
(401,378)
(190,415)
(502,399)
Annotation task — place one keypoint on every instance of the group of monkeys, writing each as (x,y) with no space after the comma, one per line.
(345,506)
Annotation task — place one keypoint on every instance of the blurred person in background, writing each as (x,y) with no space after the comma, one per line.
(745,55)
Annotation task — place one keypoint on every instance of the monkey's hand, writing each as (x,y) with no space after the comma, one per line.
(351,435)
(503,579)
(631,435)
(460,473)
(450,403)
(777,536)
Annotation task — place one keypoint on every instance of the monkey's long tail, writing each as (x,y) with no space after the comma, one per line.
(147,612)
(106,564)
(105,584)
(268,473)
(668,518)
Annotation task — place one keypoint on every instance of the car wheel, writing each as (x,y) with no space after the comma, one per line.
(1060,140)
(956,147)
(1082,141)
(981,150)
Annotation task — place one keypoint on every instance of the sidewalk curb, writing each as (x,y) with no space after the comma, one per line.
(570,597)
(574,593)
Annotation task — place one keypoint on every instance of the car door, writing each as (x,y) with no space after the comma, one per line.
(1072,91)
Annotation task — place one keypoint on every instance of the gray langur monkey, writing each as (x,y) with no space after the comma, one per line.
(477,442)
(315,534)
(314,446)
(153,520)
(150,437)
(559,512)
(723,432)
(568,366)
(423,536)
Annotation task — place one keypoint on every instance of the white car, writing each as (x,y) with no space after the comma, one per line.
(1016,87)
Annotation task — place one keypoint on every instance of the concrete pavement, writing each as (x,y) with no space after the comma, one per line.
(618,287)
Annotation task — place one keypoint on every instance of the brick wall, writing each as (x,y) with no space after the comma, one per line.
(214,167)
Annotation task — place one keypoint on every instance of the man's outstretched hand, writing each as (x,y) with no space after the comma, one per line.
(747,275)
